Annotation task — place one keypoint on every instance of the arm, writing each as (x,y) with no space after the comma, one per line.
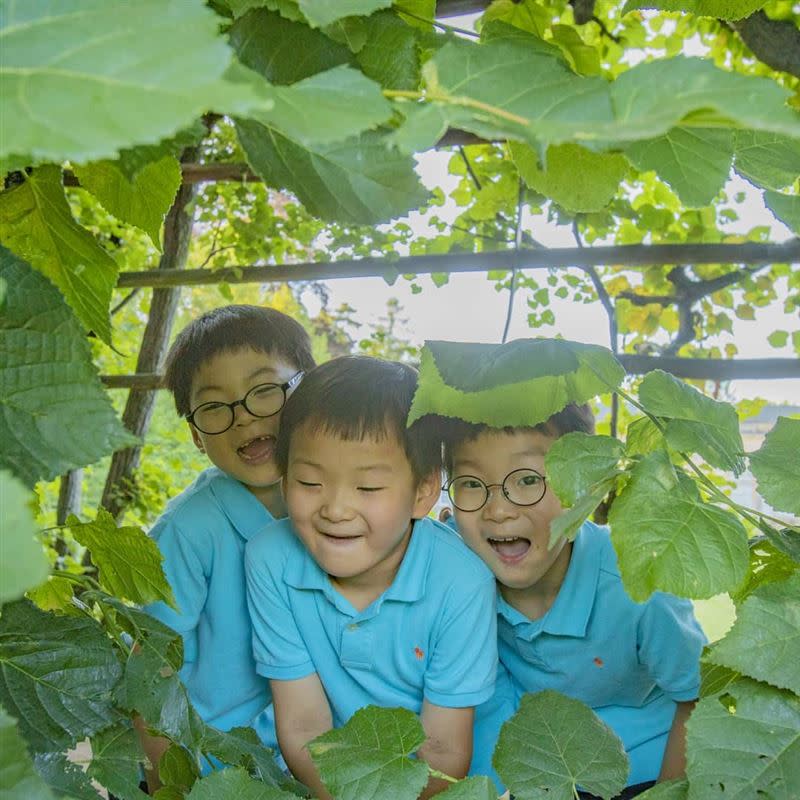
(154,747)
(302,713)
(674,763)
(448,746)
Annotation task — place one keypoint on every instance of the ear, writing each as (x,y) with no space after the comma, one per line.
(428,491)
(198,442)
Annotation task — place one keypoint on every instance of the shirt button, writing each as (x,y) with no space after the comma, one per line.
(353,626)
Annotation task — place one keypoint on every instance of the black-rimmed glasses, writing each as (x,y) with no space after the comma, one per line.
(522,487)
(264,400)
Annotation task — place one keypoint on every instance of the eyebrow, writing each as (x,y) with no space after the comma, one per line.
(261,371)
(306,462)
(536,451)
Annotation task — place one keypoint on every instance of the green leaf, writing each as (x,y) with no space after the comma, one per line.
(695,162)
(777,468)
(474,788)
(768,160)
(129,561)
(694,423)
(568,523)
(520,383)
(368,757)
(576,178)
(764,642)
(117,757)
(64,776)
(56,675)
(23,563)
(577,461)
(36,223)
(390,54)
(177,768)
(242,747)
(668,790)
(668,540)
(162,56)
(772,559)
(583,58)
(55,594)
(328,107)
(778,338)
(720,9)
(359,180)
(143,201)
(235,783)
(744,744)
(324,12)
(18,779)
(350,31)
(553,744)
(785,207)
(786,540)
(49,387)
(643,437)
(713,678)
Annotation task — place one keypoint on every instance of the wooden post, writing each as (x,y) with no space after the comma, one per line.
(139,407)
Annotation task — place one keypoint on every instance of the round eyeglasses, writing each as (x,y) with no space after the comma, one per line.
(522,487)
(264,400)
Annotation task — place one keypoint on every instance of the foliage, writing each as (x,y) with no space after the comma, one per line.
(613,133)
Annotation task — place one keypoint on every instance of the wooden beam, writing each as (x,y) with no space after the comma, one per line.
(550,258)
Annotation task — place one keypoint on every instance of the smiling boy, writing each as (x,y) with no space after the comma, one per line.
(230,372)
(358,599)
(565,621)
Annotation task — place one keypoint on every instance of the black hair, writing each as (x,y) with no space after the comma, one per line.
(573,417)
(354,397)
(230,328)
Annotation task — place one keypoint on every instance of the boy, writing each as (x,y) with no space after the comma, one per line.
(358,598)
(230,372)
(565,621)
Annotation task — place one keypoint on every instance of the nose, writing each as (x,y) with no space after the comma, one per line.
(241,416)
(335,505)
(498,507)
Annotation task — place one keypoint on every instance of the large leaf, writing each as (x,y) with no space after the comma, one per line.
(368,757)
(235,783)
(668,540)
(576,461)
(390,54)
(764,642)
(474,788)
(785,207)
(359,180)
(324,12)
(777,468)
(142,201)
(18,778)
(744,744)
(568,523)
(694,423)
(553,744)
(49,387)
(767,159)
(83,103)
(22,560)
(575,178)
(128,559)
(65,777)
(117,757)
(36,223)
(720,9)
(521,383)
(695,162)
(56,675)
(667,790)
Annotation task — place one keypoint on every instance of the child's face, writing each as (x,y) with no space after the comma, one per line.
(352,503)
(246,451)
(511,539)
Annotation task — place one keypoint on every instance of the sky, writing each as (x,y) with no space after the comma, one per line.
(469,308)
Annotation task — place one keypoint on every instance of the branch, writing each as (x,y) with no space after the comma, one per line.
(774,42)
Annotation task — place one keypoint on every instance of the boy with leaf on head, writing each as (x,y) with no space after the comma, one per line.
(565,621)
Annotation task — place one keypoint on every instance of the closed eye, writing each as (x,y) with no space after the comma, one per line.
(371,488)
(307,483)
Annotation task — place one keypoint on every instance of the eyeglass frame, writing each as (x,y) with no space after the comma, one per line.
(502,485)
(284,387)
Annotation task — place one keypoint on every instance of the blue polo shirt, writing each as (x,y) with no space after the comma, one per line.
(202,535)
(631,662)
(432,634)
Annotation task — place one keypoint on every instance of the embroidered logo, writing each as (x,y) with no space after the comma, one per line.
(598,661)
(419,653)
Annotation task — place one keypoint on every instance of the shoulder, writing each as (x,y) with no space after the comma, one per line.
(450,556)
(594,543)
(274,543)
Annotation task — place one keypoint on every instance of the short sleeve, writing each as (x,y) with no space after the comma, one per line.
(462,669)
(188,577)
(278,647)
(670,642)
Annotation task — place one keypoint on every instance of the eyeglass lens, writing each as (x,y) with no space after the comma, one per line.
(523,487)
(261,401)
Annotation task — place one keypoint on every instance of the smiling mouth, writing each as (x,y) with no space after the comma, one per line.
(510,548)
(336,539)
(258,449)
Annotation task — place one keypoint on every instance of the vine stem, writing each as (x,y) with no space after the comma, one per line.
(467,102)
(441,775)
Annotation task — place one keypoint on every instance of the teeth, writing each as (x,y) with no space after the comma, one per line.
(504,538)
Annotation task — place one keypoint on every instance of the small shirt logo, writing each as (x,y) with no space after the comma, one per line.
(598,661)
(419,653)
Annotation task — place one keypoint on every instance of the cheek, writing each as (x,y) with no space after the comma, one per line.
(469,528)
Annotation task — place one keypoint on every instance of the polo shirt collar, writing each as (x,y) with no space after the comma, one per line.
(569,614)
(244,510)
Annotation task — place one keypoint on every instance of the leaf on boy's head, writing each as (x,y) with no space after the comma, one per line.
(521,383)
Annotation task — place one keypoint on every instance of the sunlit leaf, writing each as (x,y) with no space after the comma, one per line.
(576,461)
(553,744)
(777,468)
(720,9)
(49,387)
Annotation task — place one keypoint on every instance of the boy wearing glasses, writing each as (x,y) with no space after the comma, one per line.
(358,599)
(230,372)
(564,619)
